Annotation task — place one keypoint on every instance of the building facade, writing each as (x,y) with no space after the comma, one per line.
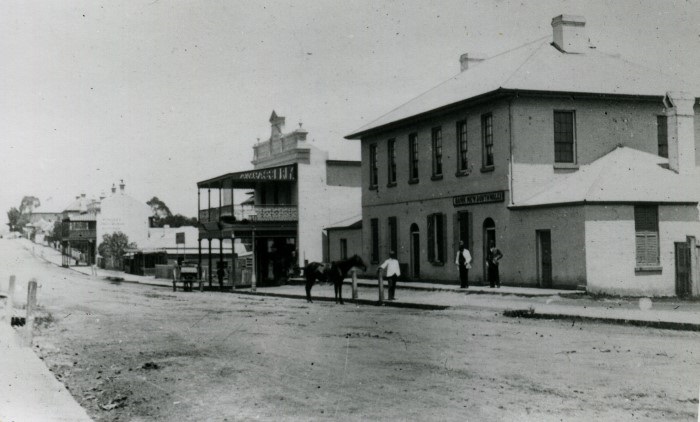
(579,166)
(297,191)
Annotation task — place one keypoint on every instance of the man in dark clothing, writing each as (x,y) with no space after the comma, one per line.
(493,256)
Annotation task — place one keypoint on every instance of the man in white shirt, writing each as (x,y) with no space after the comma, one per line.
(393,271)
(463,261)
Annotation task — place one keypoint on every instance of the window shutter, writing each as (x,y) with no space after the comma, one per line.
(441,219)
(431,239)
(455,233)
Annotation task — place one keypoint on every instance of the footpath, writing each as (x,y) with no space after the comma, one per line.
(523,302)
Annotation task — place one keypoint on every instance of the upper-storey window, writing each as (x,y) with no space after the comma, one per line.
(487,139)
(373,166)
(437,151)
(413,157)
(462,164)
(662,135)
(391,161)
(564,137)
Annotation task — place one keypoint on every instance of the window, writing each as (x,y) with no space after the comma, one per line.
(564,137)
(373,166)
(646,227)
(437,151)
(374,224)
(391,164)
(343,248)
(487,139)
(662,135)
(462,164)
(413,157)
(436,238)
(393,235)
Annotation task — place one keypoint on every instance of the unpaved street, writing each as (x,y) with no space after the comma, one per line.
(138,353)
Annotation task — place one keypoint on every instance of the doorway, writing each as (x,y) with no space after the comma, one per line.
(683,285)
(489,239)
(415,251)
(544,258)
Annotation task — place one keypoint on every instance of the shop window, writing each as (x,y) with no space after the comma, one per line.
(646,226)
(436,238)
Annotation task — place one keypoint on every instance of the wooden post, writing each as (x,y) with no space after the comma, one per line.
(354,284)
(31,304)
(381,286)
(253,277)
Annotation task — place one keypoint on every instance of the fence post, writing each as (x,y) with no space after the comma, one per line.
(354,284)
(31,304)
(381,286)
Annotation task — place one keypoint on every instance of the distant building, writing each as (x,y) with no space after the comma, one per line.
(298,191)
(580,166)
(79,231)
(344,240)
(120,212)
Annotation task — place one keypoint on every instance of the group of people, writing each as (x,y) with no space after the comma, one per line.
(463,260)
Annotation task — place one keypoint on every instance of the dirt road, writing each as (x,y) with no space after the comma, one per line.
(137,353)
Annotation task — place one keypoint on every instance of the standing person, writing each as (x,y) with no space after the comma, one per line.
(493,256)
(220,272)
(463,261)
(393,271)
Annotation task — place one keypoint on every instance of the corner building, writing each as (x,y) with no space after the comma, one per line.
(579,165)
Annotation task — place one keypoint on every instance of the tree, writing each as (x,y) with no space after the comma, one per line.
(16,219)
(56,233)
(162,215)
(113,248)
(28,204)
(158,207)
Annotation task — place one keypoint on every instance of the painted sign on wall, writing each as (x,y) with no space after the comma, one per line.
(478,198)
(287,173)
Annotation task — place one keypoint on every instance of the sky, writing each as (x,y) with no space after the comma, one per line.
(162,94)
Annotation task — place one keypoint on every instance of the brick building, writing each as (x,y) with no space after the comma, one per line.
(579,165)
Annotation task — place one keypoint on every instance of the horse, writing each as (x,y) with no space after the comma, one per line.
(335,273)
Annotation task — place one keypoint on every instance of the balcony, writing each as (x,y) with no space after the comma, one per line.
(253,213)
(79,234)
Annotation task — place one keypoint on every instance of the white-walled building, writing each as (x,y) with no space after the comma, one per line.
(298,191)
(120,212)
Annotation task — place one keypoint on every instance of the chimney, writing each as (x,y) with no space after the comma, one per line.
(121,186)
(569,33)
(114,188)
(467,60)
(82,195)
(681,131)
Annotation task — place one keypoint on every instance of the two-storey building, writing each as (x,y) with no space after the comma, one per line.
(578,165)
(297,192)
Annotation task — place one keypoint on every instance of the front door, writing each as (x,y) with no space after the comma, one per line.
(544,258)
(682,269)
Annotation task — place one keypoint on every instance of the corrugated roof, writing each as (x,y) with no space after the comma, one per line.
(622,175)
(539,66)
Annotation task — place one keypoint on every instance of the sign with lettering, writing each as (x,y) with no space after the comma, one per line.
(284,173)
(479,198)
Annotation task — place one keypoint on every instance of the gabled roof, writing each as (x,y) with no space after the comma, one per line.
(541,67)
(622,175)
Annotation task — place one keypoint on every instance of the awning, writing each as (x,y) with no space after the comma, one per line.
(249,179)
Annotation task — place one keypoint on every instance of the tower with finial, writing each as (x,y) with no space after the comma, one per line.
(276,125)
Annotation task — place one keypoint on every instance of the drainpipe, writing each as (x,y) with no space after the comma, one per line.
(510,146)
